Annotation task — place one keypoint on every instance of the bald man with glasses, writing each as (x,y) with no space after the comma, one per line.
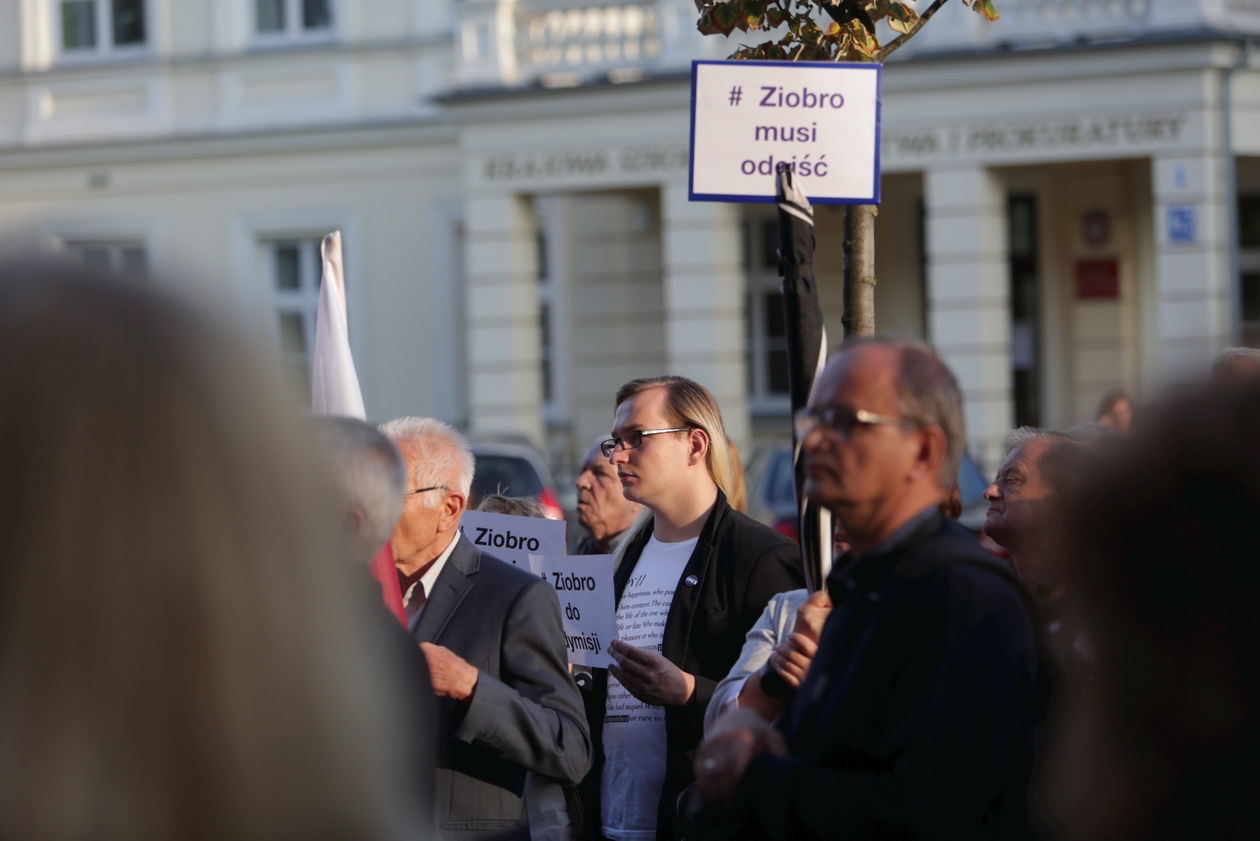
(918,716)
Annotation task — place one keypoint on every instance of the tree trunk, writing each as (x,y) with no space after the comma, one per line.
(859,270)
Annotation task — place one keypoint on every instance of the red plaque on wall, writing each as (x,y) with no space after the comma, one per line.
(1098,279)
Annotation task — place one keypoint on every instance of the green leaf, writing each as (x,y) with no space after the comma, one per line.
(986,8)
(725,17)
(862,41)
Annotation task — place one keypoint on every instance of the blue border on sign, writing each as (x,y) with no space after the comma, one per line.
(692,195)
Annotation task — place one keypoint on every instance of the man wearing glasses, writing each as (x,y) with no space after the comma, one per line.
(690,581)
(494,642)
(918,716)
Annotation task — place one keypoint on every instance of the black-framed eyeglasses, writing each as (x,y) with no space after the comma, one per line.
(429,488)
(633,439)
(842,420)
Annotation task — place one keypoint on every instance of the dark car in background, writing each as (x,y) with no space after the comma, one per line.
(773,496)
(513,468)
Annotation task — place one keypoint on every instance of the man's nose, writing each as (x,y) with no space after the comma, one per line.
(991,493)
(583,481)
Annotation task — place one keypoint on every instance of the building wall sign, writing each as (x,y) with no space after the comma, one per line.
(820,117)
(1181,224)
(1055,138)
(574,167)
(1097,280)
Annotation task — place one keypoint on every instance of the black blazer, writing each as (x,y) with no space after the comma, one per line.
(526,713)
(737,565)
(919,715)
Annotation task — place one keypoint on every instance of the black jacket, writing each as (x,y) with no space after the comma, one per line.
(737,565)
(919,715)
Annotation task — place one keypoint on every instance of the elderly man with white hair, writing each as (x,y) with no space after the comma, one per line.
(494,641)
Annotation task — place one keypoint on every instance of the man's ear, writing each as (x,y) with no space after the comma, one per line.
(699,440)
(452,509)
(355,519)
(931,452)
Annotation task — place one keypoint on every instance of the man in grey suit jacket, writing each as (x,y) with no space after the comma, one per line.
(494,642)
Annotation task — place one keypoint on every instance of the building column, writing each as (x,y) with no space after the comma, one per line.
(1191,266)
(969,314)
(505,390)
(704,302)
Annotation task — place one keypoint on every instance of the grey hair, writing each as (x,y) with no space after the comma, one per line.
(1231,353)
(446,454)
(517,506)
(928,394)
(369,475)
(1061,461)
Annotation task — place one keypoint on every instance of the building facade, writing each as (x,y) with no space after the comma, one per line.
(1070,199)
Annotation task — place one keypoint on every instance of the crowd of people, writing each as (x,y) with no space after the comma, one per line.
(192,646)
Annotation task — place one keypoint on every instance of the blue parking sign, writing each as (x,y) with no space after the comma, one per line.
(1181,223)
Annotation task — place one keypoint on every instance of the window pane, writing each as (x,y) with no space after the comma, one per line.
(1251,296)
(288,276)
(544,317)
(777,372)
(316,14)
(78,24)
(770,243)
(95,257)
(269,15)
(773,305)
(134,263)
(128,22)
(1249,221)
(292,333)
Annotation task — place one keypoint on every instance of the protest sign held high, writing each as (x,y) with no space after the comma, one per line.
(513,539)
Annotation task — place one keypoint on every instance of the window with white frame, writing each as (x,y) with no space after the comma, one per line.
(293,20)
(293,266)
(97,27)
(767,337)
(125,258)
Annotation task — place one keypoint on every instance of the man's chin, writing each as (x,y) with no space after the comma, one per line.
(821,491)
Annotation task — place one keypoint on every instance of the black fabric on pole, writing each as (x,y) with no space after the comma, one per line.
(807,352)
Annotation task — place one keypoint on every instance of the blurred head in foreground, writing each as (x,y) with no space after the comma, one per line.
(180,653)
(1237,365)
(1165,566)
(369,478)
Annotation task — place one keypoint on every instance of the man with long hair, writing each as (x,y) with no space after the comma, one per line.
(691,578)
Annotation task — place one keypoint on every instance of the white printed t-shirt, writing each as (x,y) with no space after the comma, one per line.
(634,732)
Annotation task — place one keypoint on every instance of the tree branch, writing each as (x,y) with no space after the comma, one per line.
(892,45)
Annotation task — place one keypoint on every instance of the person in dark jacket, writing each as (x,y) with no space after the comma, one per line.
(690,580)
(919,714)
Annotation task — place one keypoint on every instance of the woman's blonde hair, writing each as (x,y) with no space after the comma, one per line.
(183,653)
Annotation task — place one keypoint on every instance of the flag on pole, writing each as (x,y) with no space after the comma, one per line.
(334,383)
(807,353)
(335,387)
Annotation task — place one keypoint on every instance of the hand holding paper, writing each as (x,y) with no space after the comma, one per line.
(650,677)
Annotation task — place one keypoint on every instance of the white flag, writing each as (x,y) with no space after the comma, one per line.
(334,383)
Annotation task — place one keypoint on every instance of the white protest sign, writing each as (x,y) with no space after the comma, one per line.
(747,116)
(584,584)
(513,539)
